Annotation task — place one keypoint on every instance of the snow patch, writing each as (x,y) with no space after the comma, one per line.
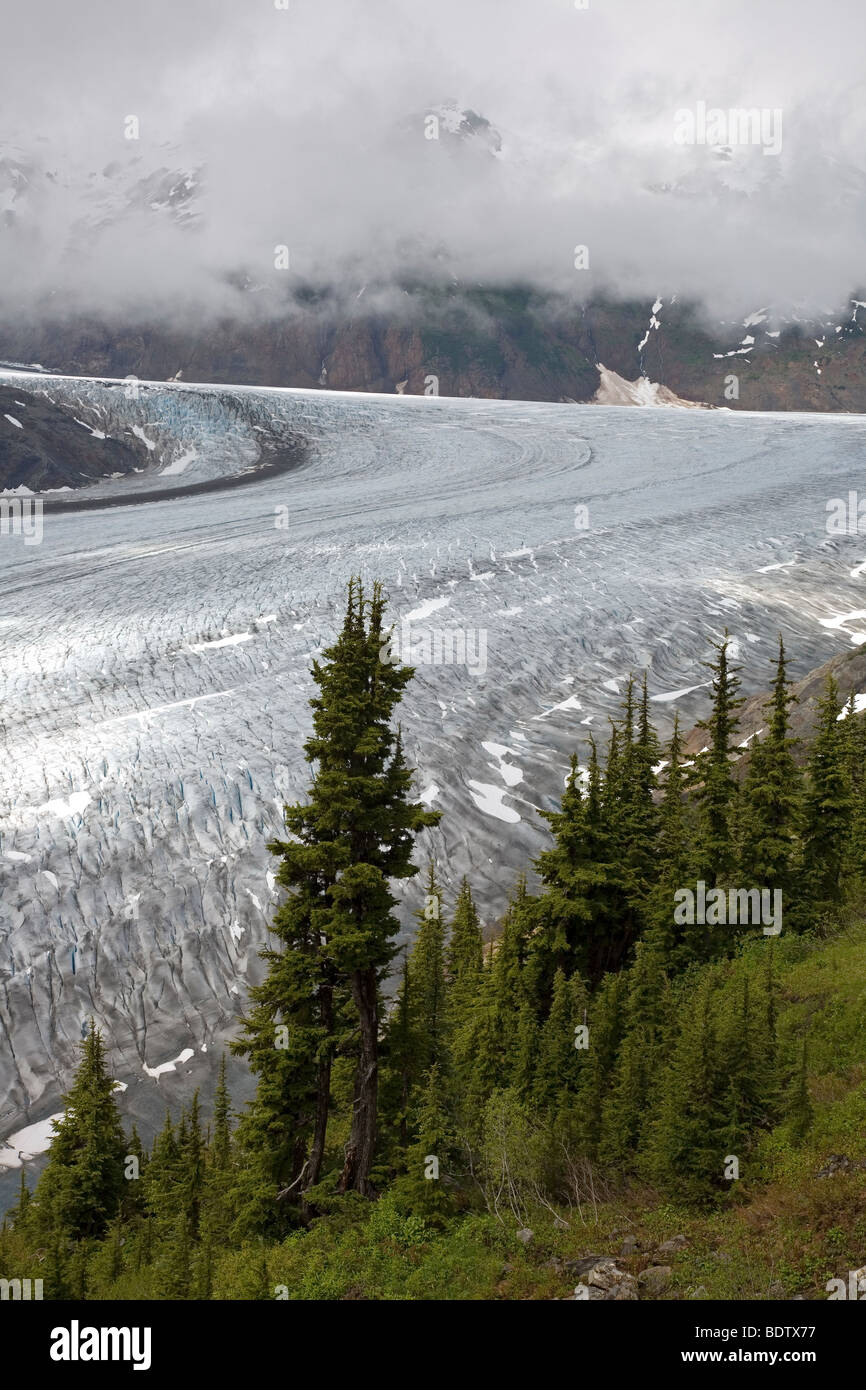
(156,1072)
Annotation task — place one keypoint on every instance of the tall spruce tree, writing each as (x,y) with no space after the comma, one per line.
(772,794)
(640,1057)
(685,1144)
(583,914)
(828,812)
(674,861)
(715,786)
(83,1181)
(464,958)
(427,973)
(607,1012)
(557,1071)
(510,979)
(218,1177)
(355,834)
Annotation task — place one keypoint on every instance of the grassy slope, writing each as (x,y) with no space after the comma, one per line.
(783,1232)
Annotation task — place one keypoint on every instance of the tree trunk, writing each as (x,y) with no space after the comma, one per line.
(362,1139)
(323,1096)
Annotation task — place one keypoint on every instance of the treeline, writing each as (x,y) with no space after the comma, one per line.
(597,1040)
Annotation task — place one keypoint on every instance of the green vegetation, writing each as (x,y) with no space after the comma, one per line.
(606,1066)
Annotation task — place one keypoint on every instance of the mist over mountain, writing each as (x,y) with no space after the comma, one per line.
(254,129)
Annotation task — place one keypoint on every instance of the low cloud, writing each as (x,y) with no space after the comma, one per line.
(308,127)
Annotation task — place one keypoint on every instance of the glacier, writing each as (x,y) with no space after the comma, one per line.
(156,653)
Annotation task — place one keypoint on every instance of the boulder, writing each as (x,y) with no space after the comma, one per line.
(670,1247)
(653,1280)
(583,1266)
(606,1281)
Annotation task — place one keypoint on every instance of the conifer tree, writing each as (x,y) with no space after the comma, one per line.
(218,1176)
(712,776)
(509,982)
(400,1057)
(354,835)
(772,795)
(558,1065)
(749,1074)
(854,734)
(606,1026)
(366,783)
(465,957)
(644,816)
(685,1149)
(798,1108)
(674,864)
(427,973)
(427,1182)
(524,1061)
(828,811)
(24,1199)
(640,1057)
(84,1173)
(582,912)
(191,1159)
(163,1181)
(477,1052)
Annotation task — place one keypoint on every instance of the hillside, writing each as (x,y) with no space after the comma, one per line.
(44,447)
(500,342)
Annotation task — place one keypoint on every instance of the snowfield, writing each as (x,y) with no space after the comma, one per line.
(153,719)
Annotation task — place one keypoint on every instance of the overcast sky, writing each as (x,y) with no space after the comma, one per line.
(307,128)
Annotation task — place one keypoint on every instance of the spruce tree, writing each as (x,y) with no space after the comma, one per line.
(828,813)
(427,1184)
(675,864)
(365,787)
(558,1061)
(712,776)
(218,1175)
(465,958)
(353,836)
(510,980)
(606,1026)
(427,973)
(772,796)
(798,1105)
(854,734)
(83,1178)
(583,915)
(685,1148)
(640,1057)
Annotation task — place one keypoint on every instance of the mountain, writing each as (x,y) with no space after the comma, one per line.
(510,343)
(412,325)
(44,447)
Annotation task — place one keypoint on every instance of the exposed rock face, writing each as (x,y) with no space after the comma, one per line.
(510,343)
(849,671)
(44,447)
(614,390)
